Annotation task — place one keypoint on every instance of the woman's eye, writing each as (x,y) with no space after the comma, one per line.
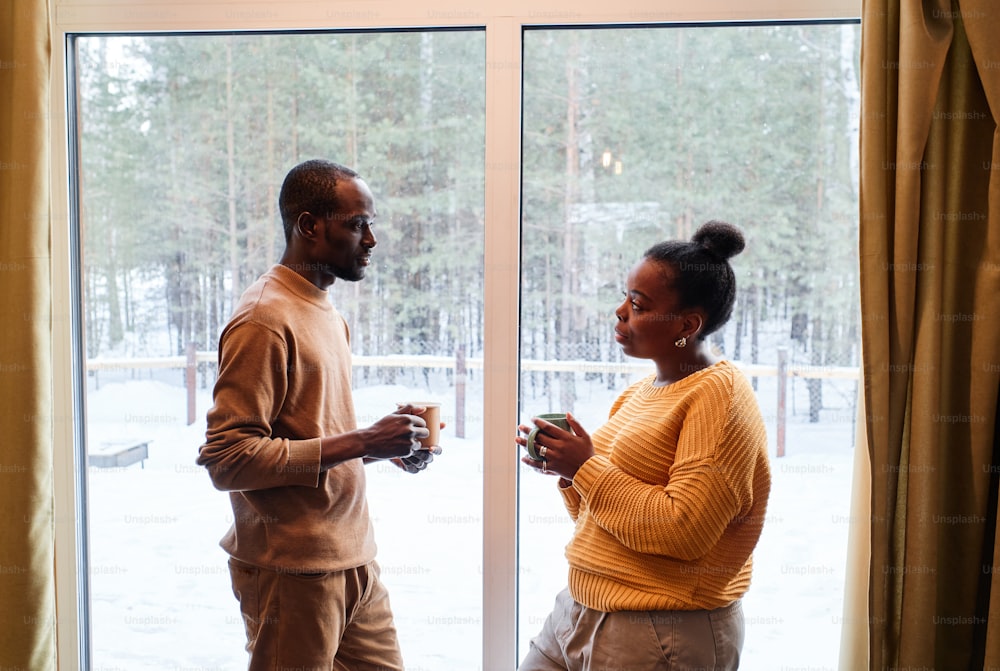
(635,306)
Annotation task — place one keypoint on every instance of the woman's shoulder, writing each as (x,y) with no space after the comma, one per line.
(734,376)
(725,385)
(722,373)
(722,382)
(630,391)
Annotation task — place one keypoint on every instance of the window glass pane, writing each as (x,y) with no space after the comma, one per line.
(184,142)
(634,136)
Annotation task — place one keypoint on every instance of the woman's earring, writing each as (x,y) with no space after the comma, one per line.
(681,342)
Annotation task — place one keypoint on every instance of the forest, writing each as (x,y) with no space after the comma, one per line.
(629,136)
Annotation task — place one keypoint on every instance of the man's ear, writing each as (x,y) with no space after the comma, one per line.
(305,226)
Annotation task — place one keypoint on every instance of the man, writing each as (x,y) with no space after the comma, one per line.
(283,440)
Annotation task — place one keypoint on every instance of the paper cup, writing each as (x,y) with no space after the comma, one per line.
(432,415)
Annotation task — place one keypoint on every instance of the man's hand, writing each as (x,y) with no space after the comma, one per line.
(418,459)
(395,436)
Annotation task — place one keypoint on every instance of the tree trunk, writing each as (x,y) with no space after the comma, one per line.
(273,216)
(234,264)
(755,310)
(115,331)
(741,318)
(571,196)
(815,385)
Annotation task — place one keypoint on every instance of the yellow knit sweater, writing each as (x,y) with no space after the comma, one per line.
(671,505)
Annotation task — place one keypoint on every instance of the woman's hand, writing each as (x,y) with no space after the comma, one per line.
(564,451)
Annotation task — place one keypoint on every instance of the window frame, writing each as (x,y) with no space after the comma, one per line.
(504,24)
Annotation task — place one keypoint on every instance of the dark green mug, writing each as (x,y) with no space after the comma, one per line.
(557,418)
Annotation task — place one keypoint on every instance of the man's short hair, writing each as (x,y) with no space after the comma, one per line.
(310,187)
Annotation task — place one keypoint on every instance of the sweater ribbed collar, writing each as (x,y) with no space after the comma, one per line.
(300,286)
(684,382)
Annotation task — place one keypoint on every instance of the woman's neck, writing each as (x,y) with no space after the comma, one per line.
(689,361)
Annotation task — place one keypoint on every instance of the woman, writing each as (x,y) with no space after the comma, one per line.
(669,495)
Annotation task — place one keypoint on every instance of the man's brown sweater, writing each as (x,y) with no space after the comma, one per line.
(284,383)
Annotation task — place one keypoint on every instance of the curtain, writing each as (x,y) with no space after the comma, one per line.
(27,584)
(930,288)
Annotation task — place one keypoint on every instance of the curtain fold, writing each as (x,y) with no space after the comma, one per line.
(27,585)
(930,287)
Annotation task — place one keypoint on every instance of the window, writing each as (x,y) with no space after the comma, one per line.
(637,135)
(492,391)
(184,140)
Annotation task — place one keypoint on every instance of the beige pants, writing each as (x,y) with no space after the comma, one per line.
(577,638)
(337,621)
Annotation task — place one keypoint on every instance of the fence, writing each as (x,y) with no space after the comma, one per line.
(461,365)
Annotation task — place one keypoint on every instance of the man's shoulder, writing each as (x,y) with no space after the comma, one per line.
(266,303)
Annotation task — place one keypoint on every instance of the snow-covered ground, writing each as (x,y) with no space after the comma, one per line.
(160,587)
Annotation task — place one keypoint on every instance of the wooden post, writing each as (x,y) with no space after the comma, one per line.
(460,375)
(782,398)
(190,379)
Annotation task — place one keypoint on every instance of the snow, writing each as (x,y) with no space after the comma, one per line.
(161,597)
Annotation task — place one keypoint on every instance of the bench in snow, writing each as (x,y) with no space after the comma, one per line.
(119,453)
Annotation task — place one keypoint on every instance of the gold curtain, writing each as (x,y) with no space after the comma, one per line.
(930,289)
(27,584)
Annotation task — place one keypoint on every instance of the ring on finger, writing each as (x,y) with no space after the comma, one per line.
(542,450)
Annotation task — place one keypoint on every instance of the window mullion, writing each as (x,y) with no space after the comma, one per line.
(503,142)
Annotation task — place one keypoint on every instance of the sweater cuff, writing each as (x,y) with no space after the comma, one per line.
(587,475)
(303,462)
(571,499)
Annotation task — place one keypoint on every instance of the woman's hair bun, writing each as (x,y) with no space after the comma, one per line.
(719,239)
